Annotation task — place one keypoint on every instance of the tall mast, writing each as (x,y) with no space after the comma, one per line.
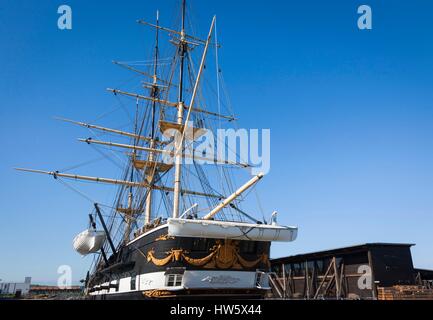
(155,88)
(180,107)
(128,213)
(182,51)
(155,93)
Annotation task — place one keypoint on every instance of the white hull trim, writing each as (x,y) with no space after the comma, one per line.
(230,230)
(147,233)
(191,279)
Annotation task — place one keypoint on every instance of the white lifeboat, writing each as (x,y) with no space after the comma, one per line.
(89,241)
(230,230)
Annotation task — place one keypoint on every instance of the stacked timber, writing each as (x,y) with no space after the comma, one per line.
(406,292)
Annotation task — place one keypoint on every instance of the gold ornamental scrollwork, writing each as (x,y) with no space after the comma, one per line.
(157,293)
(223,255)
(172,256)
(164,237)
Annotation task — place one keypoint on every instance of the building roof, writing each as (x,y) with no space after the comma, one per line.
(54,288)
(425,273)
(340,251)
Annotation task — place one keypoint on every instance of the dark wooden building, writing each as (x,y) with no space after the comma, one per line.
(346,273)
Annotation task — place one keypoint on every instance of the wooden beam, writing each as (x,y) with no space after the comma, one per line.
(143,184)
(284,280)
(126,66)
(337,280)
(104,129)
(342,280)
(162,151)
(323,280)
(139,96)
(169,103)
(307,281)
(201,41)
(233,196)
(373,283)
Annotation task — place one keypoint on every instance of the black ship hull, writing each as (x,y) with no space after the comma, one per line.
(155,265)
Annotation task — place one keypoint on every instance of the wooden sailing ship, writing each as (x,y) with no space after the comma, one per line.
(200,242)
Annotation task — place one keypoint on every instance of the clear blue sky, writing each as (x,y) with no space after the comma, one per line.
(350,113)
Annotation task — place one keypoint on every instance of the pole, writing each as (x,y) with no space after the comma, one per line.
(180,107)
(233,196)
(104,256)
(113,248)
(155,93)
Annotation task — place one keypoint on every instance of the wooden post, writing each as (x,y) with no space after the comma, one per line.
(373,284)
(328,286)
(313,278)
(274,285)
(342,278)
(291,283)
(284,281)
(323,280)
(307,281)
(337,280)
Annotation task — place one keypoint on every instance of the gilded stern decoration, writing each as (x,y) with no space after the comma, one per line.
(223,255)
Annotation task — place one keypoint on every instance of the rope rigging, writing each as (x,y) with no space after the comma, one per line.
(144,121)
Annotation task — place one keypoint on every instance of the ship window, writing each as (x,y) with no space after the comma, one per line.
(174,280)
(133,281)
(199,245)
(249,247)
(259,279)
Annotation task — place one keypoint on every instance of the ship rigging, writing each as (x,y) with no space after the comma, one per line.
(174,229)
